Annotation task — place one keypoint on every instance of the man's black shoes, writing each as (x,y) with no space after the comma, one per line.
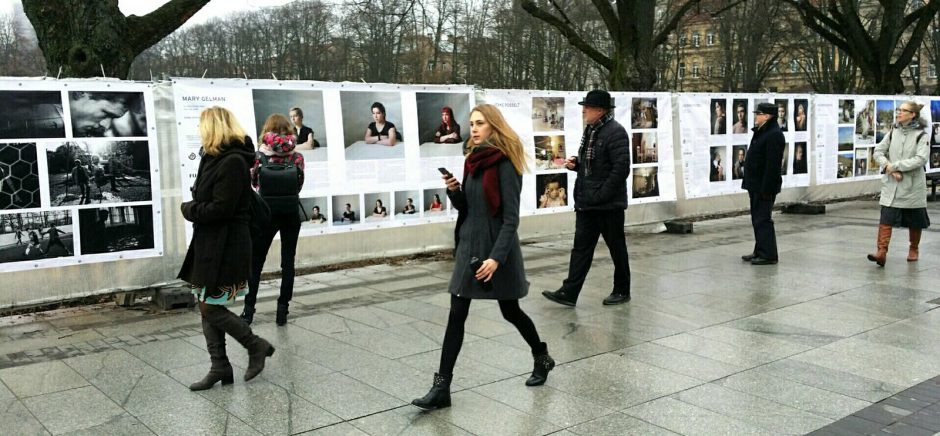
(762,261)
(616,298)
(559,297)
(748,257)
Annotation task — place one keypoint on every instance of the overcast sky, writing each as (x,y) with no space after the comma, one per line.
(142,7)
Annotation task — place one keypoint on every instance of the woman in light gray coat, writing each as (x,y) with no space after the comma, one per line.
(902,155)
(488,258)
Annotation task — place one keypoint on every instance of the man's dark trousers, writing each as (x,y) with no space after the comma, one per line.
(589,225)
(765,239)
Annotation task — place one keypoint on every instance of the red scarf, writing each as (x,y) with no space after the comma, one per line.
(485,160)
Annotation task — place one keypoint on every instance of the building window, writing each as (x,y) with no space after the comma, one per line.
(681,70)
(915,69)
(696,39)
(724,70)
(695,71)
(709,38)
(794,66)
(775,67)
(681,40)
(709,71)
(932,71)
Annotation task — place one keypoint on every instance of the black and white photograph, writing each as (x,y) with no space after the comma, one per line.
(372,125)
(551,190)
(19,177)
(935,134)
(346,210)
(407,205)
(100,114)
(738,153)
(643,113)
(800,114)
(304,108)
(31,114)
(314,212)
(645,182)
(435,201)
(443,123)
(783,114)
(99,172)
(846,111)
(741,115)
(799,158)
(550,152)
(377,207)
(865,122)
(35,235)
(644,148)
(548,114)
(719,116)
(717,164)
(113,229)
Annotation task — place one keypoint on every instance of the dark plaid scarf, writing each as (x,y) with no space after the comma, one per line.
(588,138)
(485,160)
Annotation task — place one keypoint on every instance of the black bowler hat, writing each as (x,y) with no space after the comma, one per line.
(597,98)
(766,109)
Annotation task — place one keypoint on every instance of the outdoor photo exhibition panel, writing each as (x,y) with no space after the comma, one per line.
(715,131)
(79,173)
(849,127)
(550,126)
(351,182)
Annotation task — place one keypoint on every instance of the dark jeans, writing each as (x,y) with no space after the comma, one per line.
(289,226)
(765,239)
(590,225)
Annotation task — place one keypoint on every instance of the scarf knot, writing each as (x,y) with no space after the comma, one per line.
(485,161)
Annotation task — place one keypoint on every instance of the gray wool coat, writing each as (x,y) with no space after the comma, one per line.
(484,236)
(906,149)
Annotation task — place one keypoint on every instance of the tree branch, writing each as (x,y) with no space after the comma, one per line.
(610,18)
(673,23)
(572,36)
(143,32)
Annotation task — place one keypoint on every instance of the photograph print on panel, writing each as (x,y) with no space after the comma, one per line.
(102,114)
(550,152)
(845,161)
(443,123)
(739,107)
(304,109)
(645,182)
(738,153)
(377,207)
(99,172)
(644,114)
(719,117)
(35,235)
(846,111)
(372,125)
(19,177)
(799,158)
(118,228)
(406,204)
(31,114)
(644,148)
(884,118)
(845,138)
(548,114)
(314,212)
(800,114)
(552,190)
(435,201)
(346,210)
(716,162)
(935,111)
(783,112)
(865,122)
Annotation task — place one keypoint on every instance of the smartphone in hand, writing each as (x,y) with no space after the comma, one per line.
(444,171)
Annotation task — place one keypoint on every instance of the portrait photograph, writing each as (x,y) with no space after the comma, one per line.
(716,162)
(550,152)
(378,207)
(845,138)
(643,113)
(738,154)
(407,205)
(800,158)
(31,114)
(935,111)
(304,109)
(861,162)
(846,111)
(643,148)
(314,212)
(548,114)
(435,201)
(113,229)
(100,114)
(372,125)
(935,134)
(934,159)
(785,163)
(551,190)
(443,123)
(719,117)
(741,125)
(865,122)
(800,114)
(645,182)
(36,235)
(346,210)
(783,114)
(19,177)
(844,164)
(98,172)
(873,168)
(884,118)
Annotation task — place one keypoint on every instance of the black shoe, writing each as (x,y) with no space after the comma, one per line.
(748,257)
(559,297)
(248,315)
(762,261)
(281,316)
(616,298)
(543,364)
(439,395)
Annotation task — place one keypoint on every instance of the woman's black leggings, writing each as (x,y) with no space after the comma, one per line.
(453,336)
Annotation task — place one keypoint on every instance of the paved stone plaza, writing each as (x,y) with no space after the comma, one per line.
(709,345)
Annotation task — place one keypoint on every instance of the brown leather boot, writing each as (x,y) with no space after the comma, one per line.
(913,253)
(884,237)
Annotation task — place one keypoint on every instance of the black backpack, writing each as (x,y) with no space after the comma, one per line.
(277,184)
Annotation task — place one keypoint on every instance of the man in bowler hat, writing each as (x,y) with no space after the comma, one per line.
(762,181)
(600,200)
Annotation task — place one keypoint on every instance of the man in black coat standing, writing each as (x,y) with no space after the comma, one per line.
(762,181)
(600,200)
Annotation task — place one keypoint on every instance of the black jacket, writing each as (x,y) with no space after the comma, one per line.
(606,187)
(220,251)
(764,158)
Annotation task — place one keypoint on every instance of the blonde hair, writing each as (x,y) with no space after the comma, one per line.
(276,123)
(218,127)
(502,137)
(917,108)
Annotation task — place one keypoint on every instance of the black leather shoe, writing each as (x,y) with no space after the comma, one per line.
(762,261)
(616,298)
(559,297)
(748,257)
(281,317)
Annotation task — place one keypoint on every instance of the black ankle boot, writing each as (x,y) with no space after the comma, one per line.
(248,315)
(543,364)
(281,317)
(439,395)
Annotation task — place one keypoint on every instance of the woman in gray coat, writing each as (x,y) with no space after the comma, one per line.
(488,257)
(902,155)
